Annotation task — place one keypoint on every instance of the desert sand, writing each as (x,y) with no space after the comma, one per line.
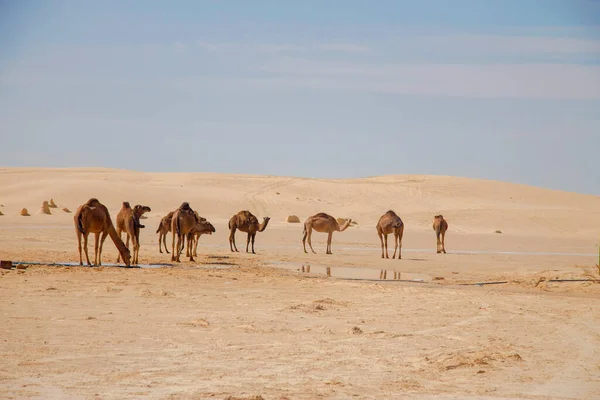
(238,325)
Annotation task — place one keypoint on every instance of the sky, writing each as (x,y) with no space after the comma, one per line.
(506,90)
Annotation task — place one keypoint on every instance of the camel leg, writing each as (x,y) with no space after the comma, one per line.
(400,234)
(96,243)
(173,247)
(196,240)
(136,249)
(329,243)
(395,246)
(309,237)
(304,240)
(387,255)
(160,235)
(188,251)
(165,242)
(179,239)
(253,236)
(190,241)
(381,240)
(248,241)
(232,245)
(443,244)
(437,235)
(85,248)
(104,235)
(79,247)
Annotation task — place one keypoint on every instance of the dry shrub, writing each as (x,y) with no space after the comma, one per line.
(24,212)
(1,213)
(45,208)
(293,219)
(52,204)
(65,209)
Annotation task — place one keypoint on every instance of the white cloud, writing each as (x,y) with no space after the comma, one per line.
(281,47)
(557,81)
(500,45)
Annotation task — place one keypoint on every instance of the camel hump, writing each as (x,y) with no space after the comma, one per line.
(126,204)
(185,206)
(93,202)
(321,215)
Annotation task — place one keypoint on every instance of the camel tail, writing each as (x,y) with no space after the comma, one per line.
(177,229)
(159,226)
(80,223)
(438,229)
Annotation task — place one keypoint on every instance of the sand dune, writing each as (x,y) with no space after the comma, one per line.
(237,324)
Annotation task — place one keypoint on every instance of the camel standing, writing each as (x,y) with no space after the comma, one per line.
(440,226)
(93,217)
(245,221)
(325,223)
(390,222)
(183,221)
(201,228)
(163,228)
(128,220)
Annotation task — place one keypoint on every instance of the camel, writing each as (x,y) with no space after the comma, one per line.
(93,217)
(193,237)
(440,226)
(128,220)
(245,221)
(390,222)
(163,228)
(325,223)
(183,221)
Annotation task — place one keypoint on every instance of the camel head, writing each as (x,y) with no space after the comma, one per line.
(126,256)
(397,224)
(185,206)
(205,227)
(139,210)
(440,216)
(264,224)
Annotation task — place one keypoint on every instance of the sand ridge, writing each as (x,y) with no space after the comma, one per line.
(233,324)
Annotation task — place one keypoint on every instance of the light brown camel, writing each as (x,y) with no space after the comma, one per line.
(390,222)
(163,228)
(93,217)
(325,223)
(203,227)
(183,221)
(128,221)
(440,226)
(245,221)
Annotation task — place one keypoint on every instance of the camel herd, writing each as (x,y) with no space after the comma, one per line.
(185,223)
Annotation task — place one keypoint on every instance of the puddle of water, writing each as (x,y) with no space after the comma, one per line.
(76,264)
(352,273)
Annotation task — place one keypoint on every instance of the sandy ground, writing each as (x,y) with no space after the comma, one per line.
(244,325)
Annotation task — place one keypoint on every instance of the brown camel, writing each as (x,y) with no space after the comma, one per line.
(390,222)
(440,226)
(245,221)
(128,220)
(93,217)
(183,221)
(163,228)
(202,227)
(325,223)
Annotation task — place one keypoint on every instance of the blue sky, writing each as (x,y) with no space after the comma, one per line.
(506,90)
